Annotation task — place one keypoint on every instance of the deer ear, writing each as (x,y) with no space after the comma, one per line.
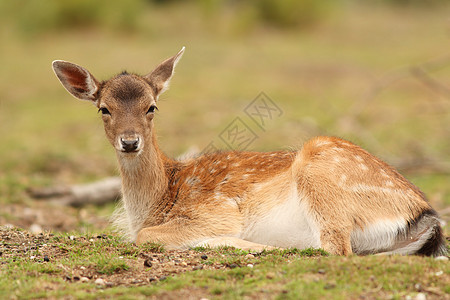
(77,80)
(160,77)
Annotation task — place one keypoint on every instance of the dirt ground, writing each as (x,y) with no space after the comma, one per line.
(149,266)
(38,216)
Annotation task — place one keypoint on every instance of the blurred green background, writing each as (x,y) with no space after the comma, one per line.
(376,72)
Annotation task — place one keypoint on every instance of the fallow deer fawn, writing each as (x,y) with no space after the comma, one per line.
(331,194)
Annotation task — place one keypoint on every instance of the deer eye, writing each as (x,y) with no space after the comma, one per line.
(152,109)
(104,111)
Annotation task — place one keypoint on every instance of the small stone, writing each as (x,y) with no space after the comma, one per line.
(420,296)
(83,268)
(35,228)
(270,275)
(321,271)
(441,258)
(233,265)
(148,263)
(100,281)
(250,265)
(71,238)
(183,264)
(439,273)
(84,279)
(91,240)
(46,259)
(204,257)
(249,256)
(418,286)
(32,257)
(329,285)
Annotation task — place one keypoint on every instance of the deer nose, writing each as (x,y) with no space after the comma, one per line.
(129,145)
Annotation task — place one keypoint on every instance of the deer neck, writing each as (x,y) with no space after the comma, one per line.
(144,183)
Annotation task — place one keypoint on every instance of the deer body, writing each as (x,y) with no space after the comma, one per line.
(331,194)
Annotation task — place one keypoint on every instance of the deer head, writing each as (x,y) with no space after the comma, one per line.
(127,101)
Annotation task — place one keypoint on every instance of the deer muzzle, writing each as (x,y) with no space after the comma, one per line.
(130,144)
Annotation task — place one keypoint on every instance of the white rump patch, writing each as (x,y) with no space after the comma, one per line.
(380,235)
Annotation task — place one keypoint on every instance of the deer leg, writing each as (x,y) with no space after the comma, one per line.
(180,234)
(173,235)
(336,241)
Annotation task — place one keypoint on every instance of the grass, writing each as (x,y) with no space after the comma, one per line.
(227,272)
(316,76)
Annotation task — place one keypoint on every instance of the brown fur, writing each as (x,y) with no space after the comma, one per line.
(329,168)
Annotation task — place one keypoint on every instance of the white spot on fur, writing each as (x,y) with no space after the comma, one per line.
(363,188)
(192,180)
(223,199)
(359,158)
(384,174)
(343,179)
(389,183)
(323,143)
(226,178)
(363,167)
